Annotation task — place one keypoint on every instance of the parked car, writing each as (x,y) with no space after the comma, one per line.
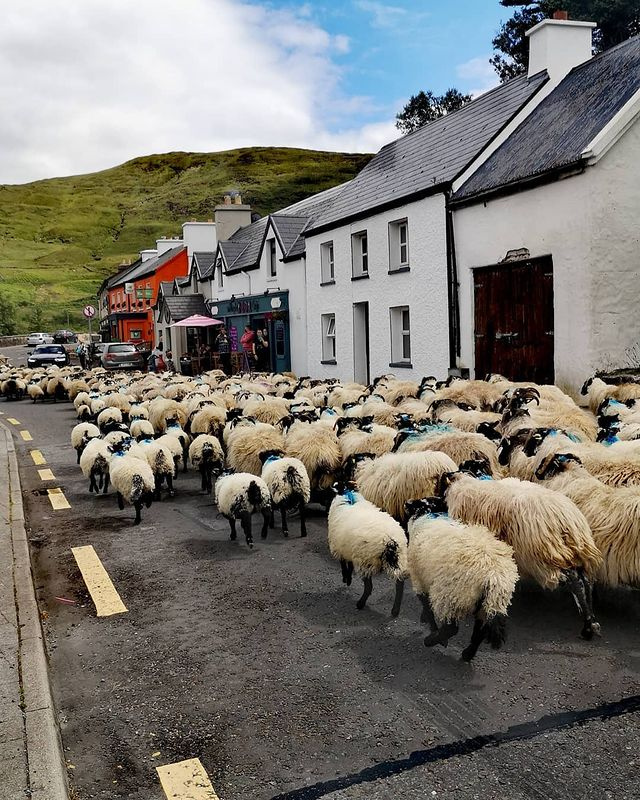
(46,354)
(121,356)
(64,337)
(39,338)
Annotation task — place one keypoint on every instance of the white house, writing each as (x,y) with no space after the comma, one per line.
(546,229)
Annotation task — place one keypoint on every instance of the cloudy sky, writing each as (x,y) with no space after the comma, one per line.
(88,84)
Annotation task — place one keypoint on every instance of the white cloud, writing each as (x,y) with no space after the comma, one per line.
(479,75)
(383,15)
(84,86)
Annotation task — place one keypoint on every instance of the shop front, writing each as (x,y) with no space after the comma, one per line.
(270,312)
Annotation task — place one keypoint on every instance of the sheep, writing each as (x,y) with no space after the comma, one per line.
(393,479)
(240,495)
(478,394)
(138,411)
(35,391)
(597,391)
(205,453)
(376,439)
(160,459)
(269,410)
(107,418)
(141,429)
(209,419)
(244,446)
(133,480)
(460,446)
(174,445)
(174,429)
(161,408)
(288,484)
(613,516)
(80,436)
(317,446)
(463,418)
(13,388)
(551,539)
(457,571)
(94,463)
(75,386)
(56,389)
(367,539)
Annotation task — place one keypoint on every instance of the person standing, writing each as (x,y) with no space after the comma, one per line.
(262,351)
(82,356)
(247,342)
(224,351)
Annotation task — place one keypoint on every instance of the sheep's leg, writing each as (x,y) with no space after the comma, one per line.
(170,485)
(427,614)
(138,507)
(285,526)
(368,588)
(272,519)
(204,484)
(442,635)
(398,599)
(92,482)
(588,588)
(245,520)
(185,458)
(232,523)
(78,452)
(158,493)
(578,590)
(303,520)
(345,571)
(266,515)
(106,483)
(148,499)
(477,637)
(120,500)
(349,572)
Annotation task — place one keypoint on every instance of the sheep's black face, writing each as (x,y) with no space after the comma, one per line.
(351,463)
(265,455)
(534,440)
(444,482)
(586,385)
(478,467)
(427,505)
(555,464)
(488,429)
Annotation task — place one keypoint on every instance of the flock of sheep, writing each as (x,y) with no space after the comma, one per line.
(462,486)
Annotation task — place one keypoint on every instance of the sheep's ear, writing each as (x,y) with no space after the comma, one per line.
(549,466)
(586,385)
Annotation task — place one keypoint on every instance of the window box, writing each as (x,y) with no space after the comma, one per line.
(330,361)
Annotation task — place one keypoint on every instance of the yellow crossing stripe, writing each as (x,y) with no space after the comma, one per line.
(103,593)
(12,421)
(26,436)
(57,499)
(37,457)
(46,475)
(186,780)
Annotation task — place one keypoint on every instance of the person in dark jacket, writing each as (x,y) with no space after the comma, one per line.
(224,350)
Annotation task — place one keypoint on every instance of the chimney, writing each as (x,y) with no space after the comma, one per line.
(199,237)
(227,199)
(558,45)
(230,216)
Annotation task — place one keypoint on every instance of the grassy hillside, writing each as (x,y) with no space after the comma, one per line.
(59,238)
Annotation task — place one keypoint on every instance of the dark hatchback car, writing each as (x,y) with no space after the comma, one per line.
(46,354)
(121,356)
(64,337)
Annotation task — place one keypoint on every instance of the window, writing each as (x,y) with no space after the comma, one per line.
(220,278)
(400,335)
(328,338)
(273,267)
(398,245)
(327,272)
(360,255)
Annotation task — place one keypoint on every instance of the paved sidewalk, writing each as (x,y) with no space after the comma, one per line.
(31,760)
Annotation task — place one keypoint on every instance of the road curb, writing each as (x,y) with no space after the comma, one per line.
(45,756)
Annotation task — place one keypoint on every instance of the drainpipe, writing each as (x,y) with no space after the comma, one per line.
(453,287)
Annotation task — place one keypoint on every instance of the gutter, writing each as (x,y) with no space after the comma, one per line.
(453,286)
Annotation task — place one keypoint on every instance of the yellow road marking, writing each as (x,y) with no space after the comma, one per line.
(26,436)
(46,475)
(13,421)
(186,780)
(57,499)
(103,593)
(37,457)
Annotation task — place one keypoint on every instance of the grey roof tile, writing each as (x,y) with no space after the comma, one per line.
(204,262)
(562,126)
(182,306)
(431,156)
(142,268)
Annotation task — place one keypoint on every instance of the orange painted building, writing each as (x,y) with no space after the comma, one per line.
(130,295)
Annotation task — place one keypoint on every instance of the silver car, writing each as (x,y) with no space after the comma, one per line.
(34,339)
(121,356)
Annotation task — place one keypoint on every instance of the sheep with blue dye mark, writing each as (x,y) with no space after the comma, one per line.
(141,429)
(460,446)
(459,571)
(239,496)
(206,454)
(109,417)
(368,540)
(289,485)
(133,480)
(551,539)
(597,391)
(160,458)
(316,445)
(81,434)
(94,463)
(175,429)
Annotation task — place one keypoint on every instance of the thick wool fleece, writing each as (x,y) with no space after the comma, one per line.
(244,446)
(378,442)
(132,477)
(285,478)
(460,567)
(458,445)
(204,448)
(232,498)
(82,432)
(317,446)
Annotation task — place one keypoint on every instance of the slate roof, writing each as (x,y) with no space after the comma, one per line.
(205,263)
(142,268)
(562,126)
(185,305)
(431,157)
(121,276)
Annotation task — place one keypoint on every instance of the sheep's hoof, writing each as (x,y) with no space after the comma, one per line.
(360,605)
(467,655)
(137,521)
(233,537)
(172,493)
(303,535)
(433,639)
(395,612)
(590,630)
(285,534)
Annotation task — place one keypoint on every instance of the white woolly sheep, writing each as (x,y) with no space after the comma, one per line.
(597,391)
(240,495)
(317,446)
(160,459)
(133,480)
(209,419)
(141,429)
(35,391)
(551,539)
(108,418)
(80,436)
(245,444)
(457,571)
(460,446)
(94,463)
(288,484)
(205,453)
(367,539)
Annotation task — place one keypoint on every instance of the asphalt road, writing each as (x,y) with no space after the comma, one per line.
(18,355)
(258,663)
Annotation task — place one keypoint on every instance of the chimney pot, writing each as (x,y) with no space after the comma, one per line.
(564,15)
(227,199)
(238,200)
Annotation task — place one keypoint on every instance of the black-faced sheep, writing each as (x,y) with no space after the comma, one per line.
(288,484)
(240,495)
(133,480)
(205,453)
(80,436)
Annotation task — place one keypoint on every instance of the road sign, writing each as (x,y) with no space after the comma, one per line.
(89,311)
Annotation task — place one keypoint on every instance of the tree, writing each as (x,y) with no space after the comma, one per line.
(426,107)
(617,20)
(7,316)
(36,318)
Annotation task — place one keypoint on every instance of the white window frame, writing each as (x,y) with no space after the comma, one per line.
(328,327)
(359,255)
(398,260)
(327,263)
(219,267)
(400,326)
(273,264)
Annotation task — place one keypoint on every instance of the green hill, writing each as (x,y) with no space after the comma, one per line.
(59,238)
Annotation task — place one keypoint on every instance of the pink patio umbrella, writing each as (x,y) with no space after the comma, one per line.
(196,321)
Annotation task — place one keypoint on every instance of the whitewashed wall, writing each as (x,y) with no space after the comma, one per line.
(589,224)
(423,289)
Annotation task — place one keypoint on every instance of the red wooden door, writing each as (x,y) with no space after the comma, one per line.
(514,320)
